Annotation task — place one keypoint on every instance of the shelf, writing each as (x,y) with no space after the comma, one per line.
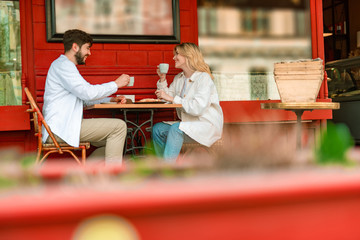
(336,18)
(300,4)
(339,35)
(336,3)
(254,42)
(344,63)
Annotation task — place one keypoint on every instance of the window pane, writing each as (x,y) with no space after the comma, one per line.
(130,17)
(10,54)
(241,41)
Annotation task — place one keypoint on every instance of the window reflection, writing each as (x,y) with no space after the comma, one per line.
(241,40)
(124,17)
(10,54)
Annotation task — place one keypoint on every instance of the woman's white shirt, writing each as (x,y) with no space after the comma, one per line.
(66,92)
(201,115)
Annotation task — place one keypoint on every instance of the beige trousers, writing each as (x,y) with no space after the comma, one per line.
(108,134)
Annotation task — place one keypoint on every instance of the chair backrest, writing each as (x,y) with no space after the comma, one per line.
(38,120)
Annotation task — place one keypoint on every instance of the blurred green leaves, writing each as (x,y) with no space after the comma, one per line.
(333,145)
(16,169)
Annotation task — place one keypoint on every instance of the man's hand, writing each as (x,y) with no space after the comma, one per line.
(122,81)
(162,95)
(119,99)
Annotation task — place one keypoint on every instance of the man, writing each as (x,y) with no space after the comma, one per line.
(66,92)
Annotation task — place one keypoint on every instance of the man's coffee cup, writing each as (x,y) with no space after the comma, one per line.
(131,82)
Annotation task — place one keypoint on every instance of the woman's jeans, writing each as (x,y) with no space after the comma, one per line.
(168,140)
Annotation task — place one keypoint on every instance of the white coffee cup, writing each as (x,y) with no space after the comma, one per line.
(131,82)
(164,67)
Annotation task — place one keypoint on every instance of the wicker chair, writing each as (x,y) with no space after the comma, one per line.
(55,147)
(188,148)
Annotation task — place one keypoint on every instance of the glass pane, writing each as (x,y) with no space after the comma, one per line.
(241,41)
(10,54)
(130,17)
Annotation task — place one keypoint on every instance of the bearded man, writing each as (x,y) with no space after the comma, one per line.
(67,92)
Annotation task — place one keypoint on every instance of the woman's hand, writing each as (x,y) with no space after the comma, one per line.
(119,99)
(161,75)
(162,95)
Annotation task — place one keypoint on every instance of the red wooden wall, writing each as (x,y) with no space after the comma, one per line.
(109,60)
(106,63)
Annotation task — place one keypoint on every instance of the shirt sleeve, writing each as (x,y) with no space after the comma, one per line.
(73,82)
(171,90)
(103,100)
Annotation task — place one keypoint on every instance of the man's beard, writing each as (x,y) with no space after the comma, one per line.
(79,58)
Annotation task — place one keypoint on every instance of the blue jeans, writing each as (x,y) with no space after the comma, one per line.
(168,140)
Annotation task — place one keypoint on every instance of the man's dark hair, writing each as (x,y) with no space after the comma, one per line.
(76,36)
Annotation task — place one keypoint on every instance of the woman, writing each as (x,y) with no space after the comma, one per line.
(201,115)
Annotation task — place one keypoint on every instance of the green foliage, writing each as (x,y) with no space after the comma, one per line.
(16,170)
(7,182)
(333,145)
(28,161)
(149,149)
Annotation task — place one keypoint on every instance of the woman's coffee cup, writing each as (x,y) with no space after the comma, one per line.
(164,68)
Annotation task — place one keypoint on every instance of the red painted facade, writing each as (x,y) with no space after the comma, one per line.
(109,60)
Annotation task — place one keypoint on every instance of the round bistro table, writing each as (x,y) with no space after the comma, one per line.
(299,108)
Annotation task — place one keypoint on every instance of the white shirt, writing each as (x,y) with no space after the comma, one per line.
(201,115)
(66,92)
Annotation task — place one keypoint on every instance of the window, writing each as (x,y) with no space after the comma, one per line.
(10,54)
(241,41)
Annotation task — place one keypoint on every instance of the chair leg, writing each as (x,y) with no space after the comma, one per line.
(55,151)
(74,156)
(38,157)
(47,154)
(40,151)
(83,155)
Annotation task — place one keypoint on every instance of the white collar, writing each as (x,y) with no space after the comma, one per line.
(193,77)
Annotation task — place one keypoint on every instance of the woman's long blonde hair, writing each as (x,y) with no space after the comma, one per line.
(194,58)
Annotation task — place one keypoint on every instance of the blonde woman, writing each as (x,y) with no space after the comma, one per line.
(201,117)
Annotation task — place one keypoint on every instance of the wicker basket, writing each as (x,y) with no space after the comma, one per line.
(299,81)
